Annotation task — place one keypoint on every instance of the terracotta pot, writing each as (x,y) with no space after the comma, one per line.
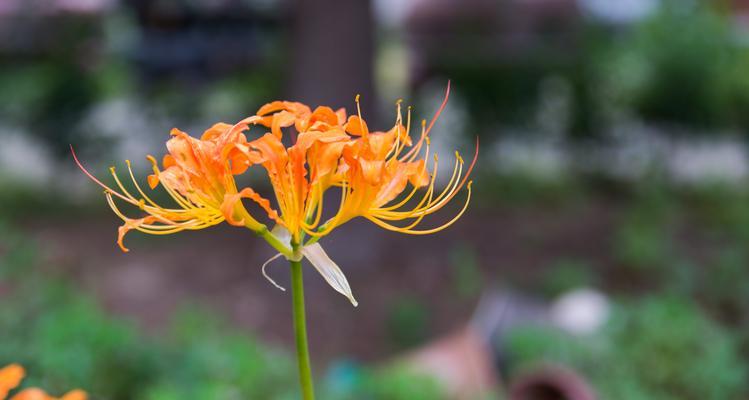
(551,382)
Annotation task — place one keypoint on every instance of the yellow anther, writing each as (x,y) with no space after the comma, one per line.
(111,169)
(142,204)
(127,162)
(423,123)
(429,141)
(398,102)
(435,157)
(151,159)
(356,99)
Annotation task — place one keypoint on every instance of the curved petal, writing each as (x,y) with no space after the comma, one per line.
(356,126)
(75,395)
(215,131)
(32,394)
(10,377)
(230,200)
(128,226)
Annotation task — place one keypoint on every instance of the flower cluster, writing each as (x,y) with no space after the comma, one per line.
(12,375)
(305,154)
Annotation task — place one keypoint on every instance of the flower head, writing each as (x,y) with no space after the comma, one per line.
(12,375)
(372,169)
(198,174)
(376,174)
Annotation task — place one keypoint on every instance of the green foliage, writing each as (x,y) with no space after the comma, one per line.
(565,275)
(466,272)
(642,241)
(20,200)
(408,322)
(696,77)
(399,382)
(524,189)
(723,210)
(66,341)
(657,349)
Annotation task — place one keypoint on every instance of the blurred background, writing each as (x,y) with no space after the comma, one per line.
(605,254)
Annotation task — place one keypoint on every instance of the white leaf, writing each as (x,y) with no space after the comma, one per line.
(329,270)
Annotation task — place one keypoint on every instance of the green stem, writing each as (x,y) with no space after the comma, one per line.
(300,331)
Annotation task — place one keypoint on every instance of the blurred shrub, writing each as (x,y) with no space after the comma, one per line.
(519,189)
(396,383)
(723,211)
(567,274)
(686,64)
(726,287)
(65,340)
(643,237)
(466,272)
(656,349)
(407,322)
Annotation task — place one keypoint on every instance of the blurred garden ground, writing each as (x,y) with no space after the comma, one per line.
(613,157)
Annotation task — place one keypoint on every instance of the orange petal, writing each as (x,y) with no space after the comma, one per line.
(168,161)
(417,173)
(10,378)
(32,394)
(394,186)
(181,147)
(129,225)
(271,108)
(153,181)
(356,126)
(215,131)
(324,114)
(326,159)
(270,149)
(380,143)
(75,395)
(372,170)
(341,113)
(230,200)
(281,120)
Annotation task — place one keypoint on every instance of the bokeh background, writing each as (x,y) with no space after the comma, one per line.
(606,250)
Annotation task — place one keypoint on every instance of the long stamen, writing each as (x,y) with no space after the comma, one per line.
(137,186)
(421,208)
(428,231)
(413,192)
(333,221)
(119,183)
(415,149)
(98,182)
(361,121)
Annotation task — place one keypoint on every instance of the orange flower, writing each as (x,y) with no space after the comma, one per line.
(372,170)
(10,378)
(198,174)
(379,167)
(319,143)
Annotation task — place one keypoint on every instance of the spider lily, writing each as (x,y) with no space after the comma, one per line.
(371,170)
(198,174)
(377,170)
(12,375)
